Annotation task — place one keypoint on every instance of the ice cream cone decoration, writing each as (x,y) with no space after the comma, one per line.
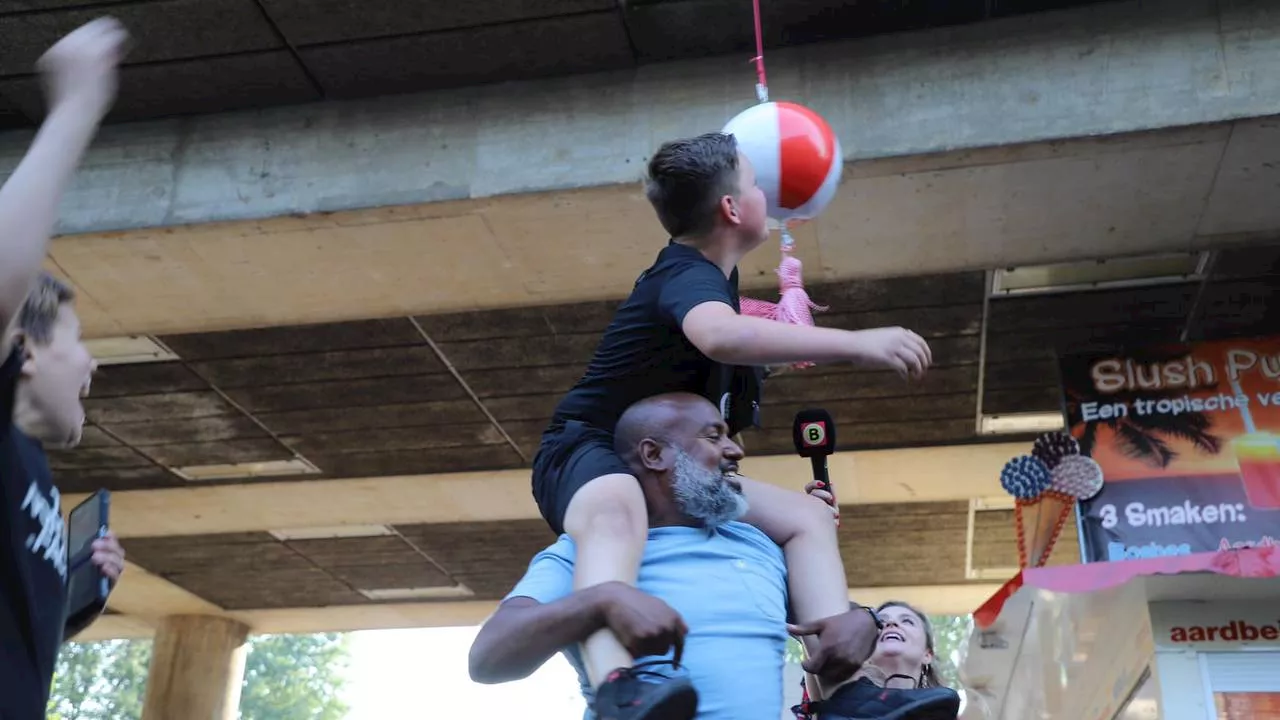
(1045,486)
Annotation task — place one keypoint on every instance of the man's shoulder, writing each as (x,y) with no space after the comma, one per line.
(747,534)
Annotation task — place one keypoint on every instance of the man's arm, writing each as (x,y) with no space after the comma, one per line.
(80,74)
(524,633)
(727,337)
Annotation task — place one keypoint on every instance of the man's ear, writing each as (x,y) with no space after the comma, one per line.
(653,457)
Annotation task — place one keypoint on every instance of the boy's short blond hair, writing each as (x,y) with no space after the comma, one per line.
(40,310)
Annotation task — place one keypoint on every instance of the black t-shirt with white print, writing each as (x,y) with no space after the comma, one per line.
(33,564)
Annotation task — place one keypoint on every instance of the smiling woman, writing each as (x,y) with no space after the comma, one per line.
(900,681)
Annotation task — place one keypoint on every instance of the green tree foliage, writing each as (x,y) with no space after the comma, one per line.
(100,681)
(295,677)
(287,677)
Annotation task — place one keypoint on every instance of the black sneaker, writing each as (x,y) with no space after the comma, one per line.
(864,700)
(637,693)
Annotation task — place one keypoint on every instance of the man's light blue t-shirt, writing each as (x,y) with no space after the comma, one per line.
(729,585)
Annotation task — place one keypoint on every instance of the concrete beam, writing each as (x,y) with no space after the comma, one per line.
(935,599)
(1107,69)
(879,476)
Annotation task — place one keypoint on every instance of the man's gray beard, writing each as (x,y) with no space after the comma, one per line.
(704,494)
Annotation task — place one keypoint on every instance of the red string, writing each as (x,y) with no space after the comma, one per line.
(759,58)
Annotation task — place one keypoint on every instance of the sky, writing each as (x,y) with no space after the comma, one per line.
(423,673)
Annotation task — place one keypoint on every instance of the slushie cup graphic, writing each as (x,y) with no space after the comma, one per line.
(1258,455)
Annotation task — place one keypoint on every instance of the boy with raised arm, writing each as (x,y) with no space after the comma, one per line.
(45,370)
(681,331)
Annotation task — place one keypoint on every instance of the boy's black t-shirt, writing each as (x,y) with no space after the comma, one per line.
(644,352)
(33,564)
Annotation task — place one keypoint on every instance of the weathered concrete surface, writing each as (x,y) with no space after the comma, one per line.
(1108,69)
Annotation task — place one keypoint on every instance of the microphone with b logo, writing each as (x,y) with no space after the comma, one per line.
(814,435)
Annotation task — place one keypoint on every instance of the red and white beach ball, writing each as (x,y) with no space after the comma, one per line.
(796,157)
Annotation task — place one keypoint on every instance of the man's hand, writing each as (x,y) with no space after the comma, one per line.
(643,624)
(80,70)
(845,641)
(893,348)
(108,557)
(820,490)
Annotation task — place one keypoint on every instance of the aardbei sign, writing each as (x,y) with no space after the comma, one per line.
(1216,626)
(1188,438)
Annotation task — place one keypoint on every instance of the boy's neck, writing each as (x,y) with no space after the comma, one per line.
(716,248)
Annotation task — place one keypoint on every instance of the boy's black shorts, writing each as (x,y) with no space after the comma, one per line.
(570,456)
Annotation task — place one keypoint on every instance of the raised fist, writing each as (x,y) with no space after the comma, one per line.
(81,68)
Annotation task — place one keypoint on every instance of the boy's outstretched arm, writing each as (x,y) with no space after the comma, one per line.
(79,74)
(727,337)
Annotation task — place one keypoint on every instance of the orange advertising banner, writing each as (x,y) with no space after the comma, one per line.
(1188,438)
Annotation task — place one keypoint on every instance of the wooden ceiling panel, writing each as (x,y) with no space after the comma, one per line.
(218,453)
(589,42)
(324,420)
(585,317)
(223,553)
(151,408)
(522,352)
(524,407)
(418,462)
(916,544)
(183,29)
(345,551)
(349,393)
(414,575)
(94,437)
(324,337)
(115,479)
(266,589)
(93,458)
(145,379)
(272,370)
(373,563)
(444,435)
(1033,313)
(554,380)
(212,428)
(306,22)
(487,557)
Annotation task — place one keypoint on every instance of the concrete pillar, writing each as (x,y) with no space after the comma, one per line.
(197,666)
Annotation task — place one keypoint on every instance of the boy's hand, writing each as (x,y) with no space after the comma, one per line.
(897,349)
(81,68)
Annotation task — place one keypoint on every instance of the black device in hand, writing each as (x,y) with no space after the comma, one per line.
(814,435)
(87,586)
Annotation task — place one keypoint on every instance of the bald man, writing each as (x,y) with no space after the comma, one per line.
(701,566)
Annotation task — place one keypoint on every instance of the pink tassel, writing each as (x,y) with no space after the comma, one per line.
(794,307)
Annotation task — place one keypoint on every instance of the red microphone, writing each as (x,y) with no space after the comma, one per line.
(814,435)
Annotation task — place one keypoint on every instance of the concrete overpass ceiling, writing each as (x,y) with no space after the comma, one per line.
(203,56)
(919,544)
(472,391)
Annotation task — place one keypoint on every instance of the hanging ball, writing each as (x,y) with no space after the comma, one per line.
(796,156)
